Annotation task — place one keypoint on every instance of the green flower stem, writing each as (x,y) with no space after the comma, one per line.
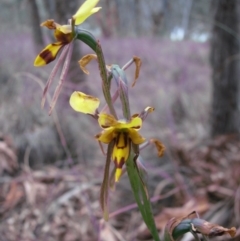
(86,37)
(141,196)
(122,83)
(106,81)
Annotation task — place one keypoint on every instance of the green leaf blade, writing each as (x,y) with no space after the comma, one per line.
(141,197)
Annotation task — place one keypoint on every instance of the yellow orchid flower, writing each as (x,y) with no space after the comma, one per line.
(123,133)
(63,33)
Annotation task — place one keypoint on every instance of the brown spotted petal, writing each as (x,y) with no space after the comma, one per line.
(48,54)
(50,24)
(105,121)
(138,63)
(160,147)
(63,37)
(85,60)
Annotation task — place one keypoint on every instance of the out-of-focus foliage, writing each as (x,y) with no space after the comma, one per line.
(125,17)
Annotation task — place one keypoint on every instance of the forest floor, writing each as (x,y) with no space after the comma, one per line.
(52,168)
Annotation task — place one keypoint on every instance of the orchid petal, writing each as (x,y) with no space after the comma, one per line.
(50,24)
(84,103)
(48,54)
(86,10)
(61,36)
(85,60)
(53,73)
(160,147)
(106,120)
(62,78)
(135,137)
(120,152)
(118,174)
(65,28)
(106,136)
(135,123)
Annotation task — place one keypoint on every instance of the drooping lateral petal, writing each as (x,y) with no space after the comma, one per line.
(135,137)
(81,102)
(48,54)
(53,73)
(105,120)
(106,136)
(85,10)
(62,78)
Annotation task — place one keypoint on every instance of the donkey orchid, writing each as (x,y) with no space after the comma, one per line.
(123,134)
(64,34)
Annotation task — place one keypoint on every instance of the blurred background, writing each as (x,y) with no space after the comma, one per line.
(51,167)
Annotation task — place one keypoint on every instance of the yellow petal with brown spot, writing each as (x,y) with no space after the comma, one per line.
(107,135)
(135,123)
(121,151)
(86,104)
(135,137)
(105,121)
(48,54)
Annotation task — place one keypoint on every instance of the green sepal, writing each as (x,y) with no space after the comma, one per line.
(86,37)
(141,196)
(105,183)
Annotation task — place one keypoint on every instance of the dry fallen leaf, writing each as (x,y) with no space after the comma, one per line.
(14,196)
